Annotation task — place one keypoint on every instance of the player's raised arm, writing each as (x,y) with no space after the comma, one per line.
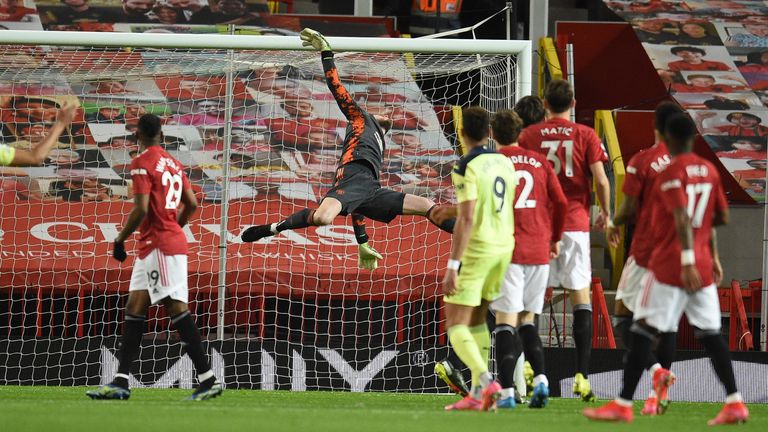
(347,105)
(37,154)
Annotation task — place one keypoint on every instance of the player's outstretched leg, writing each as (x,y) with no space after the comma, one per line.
(329,208)
(443,217)
(130,343)
(534,352)
(734,410)
(181,318)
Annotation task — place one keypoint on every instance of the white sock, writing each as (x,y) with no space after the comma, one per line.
(540,379)
(125,376)
(652,394)
(654,368)
(204,376)
(624,402)
(273,228)
(733,398)
(507,393)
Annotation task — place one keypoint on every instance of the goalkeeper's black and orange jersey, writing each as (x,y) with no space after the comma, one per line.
(364,140)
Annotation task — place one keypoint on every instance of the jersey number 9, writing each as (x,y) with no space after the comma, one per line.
(500,190)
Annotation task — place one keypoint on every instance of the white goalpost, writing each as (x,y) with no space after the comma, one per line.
(258,132)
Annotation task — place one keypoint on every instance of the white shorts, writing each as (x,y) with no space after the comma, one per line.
(523,289)
(631,283)
(662,305)
(162,275)
(573,268)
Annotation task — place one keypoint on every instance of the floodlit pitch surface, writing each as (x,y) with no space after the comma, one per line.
(63,409)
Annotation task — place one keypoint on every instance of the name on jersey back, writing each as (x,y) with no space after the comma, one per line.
(525,160)
(558,130)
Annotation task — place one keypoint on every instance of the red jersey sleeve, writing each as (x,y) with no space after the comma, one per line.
(633,181)
(671,193)
(559,204)
(595,150)
(142,182)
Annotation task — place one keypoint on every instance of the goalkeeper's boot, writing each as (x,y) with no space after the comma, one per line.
(109,391)
(256,233)
(466,404)
(732,413)
(490,395)
(540,396)
(611,411)
(651,406)
(205,392)
(662,381)
(582,388)
(452,377)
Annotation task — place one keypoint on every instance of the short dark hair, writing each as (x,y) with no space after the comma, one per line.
(530,109)
(475,122)
(679,132)
(559,95)
(506,126)
(678,49)
(149,127)
(663,112)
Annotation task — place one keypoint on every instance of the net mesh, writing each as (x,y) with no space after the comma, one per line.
(296,311)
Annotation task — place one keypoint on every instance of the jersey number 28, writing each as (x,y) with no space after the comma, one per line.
(552,148)
(174,184)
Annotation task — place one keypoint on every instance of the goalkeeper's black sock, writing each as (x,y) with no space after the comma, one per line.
(534,351)
(508,349)
(665,352)
(582,336)
(642,339)
(721,360)
(447,224)
(298,220)
(190,335)
(130,343)
(358,225)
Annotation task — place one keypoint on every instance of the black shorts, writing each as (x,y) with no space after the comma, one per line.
(359,191)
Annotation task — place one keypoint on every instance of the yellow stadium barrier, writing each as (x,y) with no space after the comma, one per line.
(549,64)
(606,130)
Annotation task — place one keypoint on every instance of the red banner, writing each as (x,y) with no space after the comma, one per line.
(67,246)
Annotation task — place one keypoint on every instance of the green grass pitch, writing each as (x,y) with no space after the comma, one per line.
(63,409)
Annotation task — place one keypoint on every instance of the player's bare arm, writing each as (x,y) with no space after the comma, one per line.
(137,215)
(717,266)
(627,211)
(461,233)
(689,274)
(37,154)
(190,206)
(603,194)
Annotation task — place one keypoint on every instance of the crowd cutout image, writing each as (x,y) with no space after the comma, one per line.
(286,132)
(713,56)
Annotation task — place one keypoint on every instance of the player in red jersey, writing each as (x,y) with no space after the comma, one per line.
(163,204)
(577,156)
(642,171)
(687,201)
(540,208)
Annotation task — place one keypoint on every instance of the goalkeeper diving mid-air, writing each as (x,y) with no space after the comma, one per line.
(356,189)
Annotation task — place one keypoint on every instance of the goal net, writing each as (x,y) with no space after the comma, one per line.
(259,134)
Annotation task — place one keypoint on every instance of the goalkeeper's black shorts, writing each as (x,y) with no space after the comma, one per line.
(359,191)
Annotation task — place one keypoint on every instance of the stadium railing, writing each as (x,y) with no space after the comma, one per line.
(549,64)
(606,130)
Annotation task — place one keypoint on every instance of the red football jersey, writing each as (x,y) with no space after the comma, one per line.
(705,65)
(156,173)
(540,206)
(642,171)
(692,183)
(571,148)
(733,130)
